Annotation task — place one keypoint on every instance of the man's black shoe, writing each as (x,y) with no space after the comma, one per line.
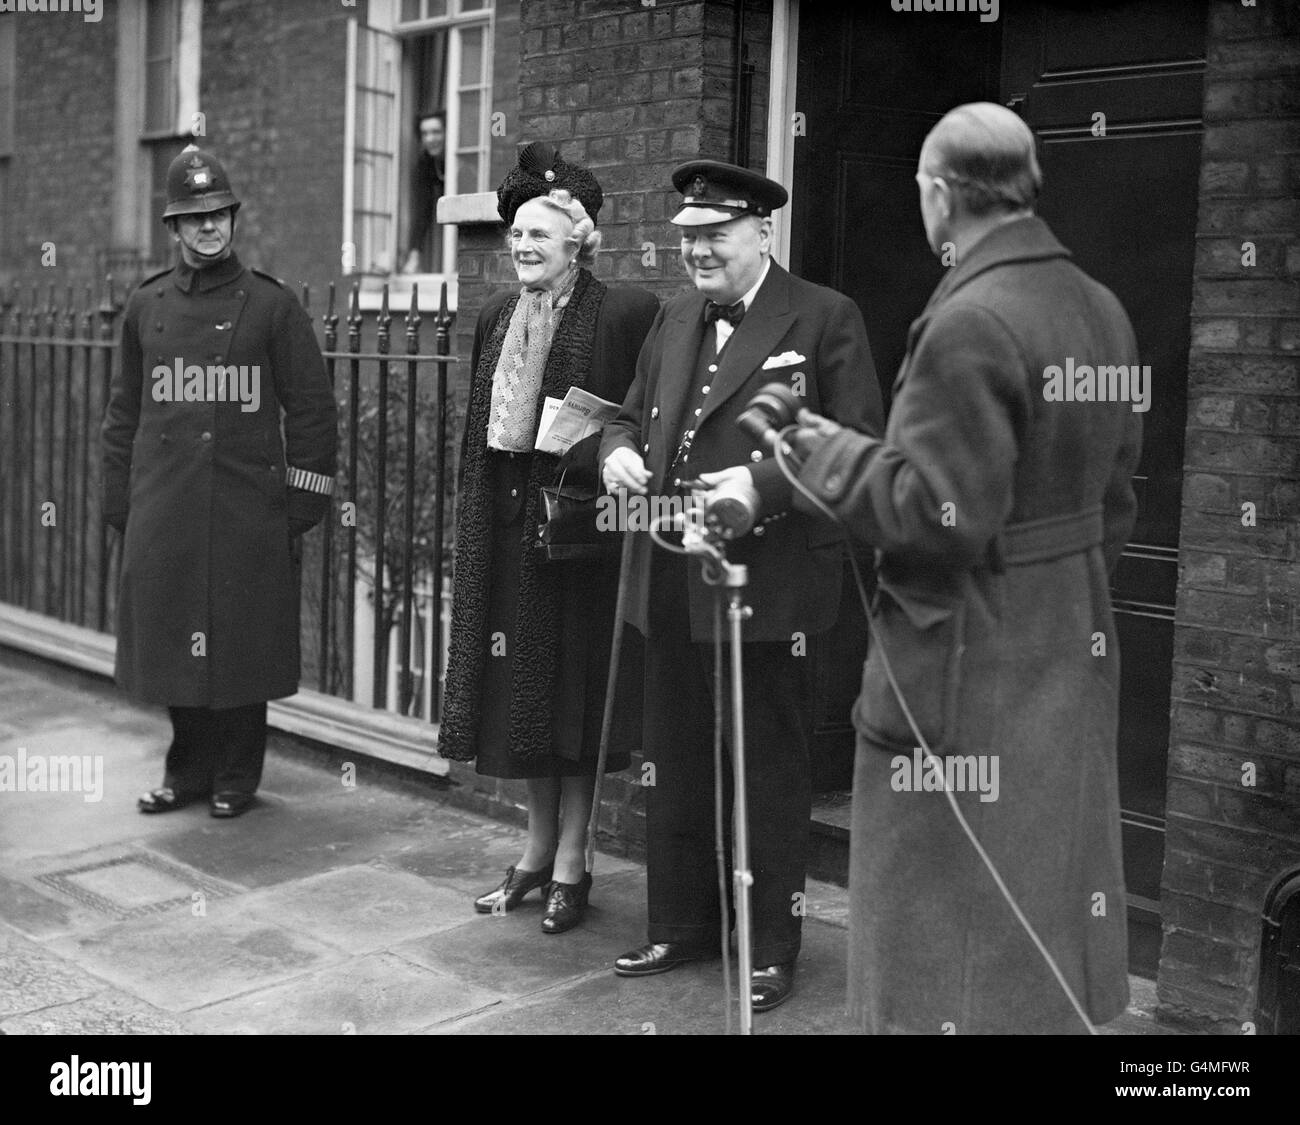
(163,800)
(658,957)
(772,986)
(227,805)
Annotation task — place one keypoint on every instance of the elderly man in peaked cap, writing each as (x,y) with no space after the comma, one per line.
(216,361)
(746,323)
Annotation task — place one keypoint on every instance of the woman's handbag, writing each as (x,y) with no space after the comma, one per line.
(568,528)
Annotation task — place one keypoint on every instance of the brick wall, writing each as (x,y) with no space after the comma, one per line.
(1236,683)
(272,88)
(60,173)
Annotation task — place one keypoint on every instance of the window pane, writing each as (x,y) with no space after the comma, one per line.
(159,90)
(474,5)
(159,36)
(471,56)
(410,10)
(467,172)
(469,122)
(434,8)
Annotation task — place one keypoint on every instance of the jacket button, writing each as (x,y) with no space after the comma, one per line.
(698,411)
(704,390)
(833,482)
(712,368)
(756,455)
(514,492)
(645,448)
(206,435)
(759,530)
(654,412)
(222,325)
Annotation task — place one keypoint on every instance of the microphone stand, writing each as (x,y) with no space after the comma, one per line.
(734,578)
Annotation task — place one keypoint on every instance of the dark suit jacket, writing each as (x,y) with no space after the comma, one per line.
(794,560)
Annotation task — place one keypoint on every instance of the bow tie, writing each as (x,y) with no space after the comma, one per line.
(732,313)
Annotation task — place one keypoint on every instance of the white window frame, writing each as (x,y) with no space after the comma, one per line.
(383,15)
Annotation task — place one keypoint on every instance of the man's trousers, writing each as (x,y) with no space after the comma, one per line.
(679,724)
(216,751)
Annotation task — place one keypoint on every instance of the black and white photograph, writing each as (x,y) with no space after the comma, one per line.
(592,518)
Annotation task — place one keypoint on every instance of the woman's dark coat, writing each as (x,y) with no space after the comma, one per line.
(565,607)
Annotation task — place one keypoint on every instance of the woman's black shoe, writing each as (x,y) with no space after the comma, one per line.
(566,905)
(516,884)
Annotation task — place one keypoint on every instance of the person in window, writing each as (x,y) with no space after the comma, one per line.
(530,639)
(428,181)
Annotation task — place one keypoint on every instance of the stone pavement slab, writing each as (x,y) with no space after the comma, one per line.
(686,1001)
(280,840)
(358,909)
(379,994)
(109,1012)
(31,978)
(510,954)
(177,961)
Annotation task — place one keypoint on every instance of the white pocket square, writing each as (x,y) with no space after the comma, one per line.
(785,359)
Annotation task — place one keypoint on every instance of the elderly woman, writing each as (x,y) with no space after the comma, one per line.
(530,638)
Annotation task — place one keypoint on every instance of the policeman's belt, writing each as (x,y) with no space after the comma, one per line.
(1053,537)
(309,481)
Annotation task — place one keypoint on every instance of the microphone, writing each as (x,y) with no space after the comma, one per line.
(729,514)
(768,413)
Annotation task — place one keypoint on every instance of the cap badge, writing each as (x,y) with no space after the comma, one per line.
(550,175)
(698,186)
(199,177)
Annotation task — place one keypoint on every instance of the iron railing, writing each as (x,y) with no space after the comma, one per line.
(58,559)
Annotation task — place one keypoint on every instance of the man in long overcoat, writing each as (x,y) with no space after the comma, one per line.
(219,446)
(747,323)
(999,502)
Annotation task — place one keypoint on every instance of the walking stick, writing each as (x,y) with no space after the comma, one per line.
(607,720)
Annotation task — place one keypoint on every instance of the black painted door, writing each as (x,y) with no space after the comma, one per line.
(1113,92)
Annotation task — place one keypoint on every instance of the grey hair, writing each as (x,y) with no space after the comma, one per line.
(585,235)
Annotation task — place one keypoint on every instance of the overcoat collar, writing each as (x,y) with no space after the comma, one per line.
(1024,240)
(766,321)
(226,270)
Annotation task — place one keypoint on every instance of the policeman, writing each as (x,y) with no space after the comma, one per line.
(217,362)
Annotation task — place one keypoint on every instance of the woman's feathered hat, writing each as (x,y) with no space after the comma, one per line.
(541,170)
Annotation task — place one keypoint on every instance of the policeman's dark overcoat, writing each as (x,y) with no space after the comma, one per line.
(208,607)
